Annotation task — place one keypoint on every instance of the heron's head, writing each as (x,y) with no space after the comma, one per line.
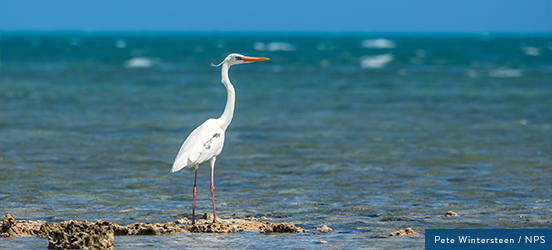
(235,58)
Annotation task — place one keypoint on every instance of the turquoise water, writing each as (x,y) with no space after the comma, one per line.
(365,133)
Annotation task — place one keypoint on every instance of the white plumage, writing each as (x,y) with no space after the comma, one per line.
(206,141)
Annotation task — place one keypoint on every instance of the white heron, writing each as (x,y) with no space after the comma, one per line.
(206,141)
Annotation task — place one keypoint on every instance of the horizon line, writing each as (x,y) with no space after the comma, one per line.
(274,31)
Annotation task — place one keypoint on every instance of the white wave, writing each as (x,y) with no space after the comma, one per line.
(258,46)
(378,61)
(273,46)
(379,43)
(505,73)
(531,51)
(140,62)
(121,44)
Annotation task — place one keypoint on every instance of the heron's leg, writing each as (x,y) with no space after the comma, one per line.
(195,191)
(213,188)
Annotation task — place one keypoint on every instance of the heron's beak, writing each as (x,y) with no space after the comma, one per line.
(254,59)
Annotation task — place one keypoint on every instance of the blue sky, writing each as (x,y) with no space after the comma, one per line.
(279,15)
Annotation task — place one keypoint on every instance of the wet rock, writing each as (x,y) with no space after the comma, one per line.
(100,235)
(451,214)
(245,225)
(9,227)
(140,228)
(404,233)
(13,228)
(209,217)
(255,219)
(283,227)
(324,229)
(79,235)
(183,221)
(213,228)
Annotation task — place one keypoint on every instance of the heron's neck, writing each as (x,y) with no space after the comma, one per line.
(226,117)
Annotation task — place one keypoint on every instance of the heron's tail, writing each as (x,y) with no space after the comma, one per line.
(180,163)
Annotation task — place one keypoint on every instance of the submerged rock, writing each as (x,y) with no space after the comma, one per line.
(404,233)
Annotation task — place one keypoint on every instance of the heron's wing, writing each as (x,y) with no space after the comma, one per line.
(204,143)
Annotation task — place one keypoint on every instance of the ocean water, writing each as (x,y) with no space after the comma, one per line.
(367,133)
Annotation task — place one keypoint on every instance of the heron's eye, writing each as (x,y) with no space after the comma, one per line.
(238,58)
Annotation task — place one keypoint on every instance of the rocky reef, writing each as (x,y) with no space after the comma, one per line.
(101,234)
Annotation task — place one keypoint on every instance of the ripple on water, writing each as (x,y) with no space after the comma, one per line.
(363,151)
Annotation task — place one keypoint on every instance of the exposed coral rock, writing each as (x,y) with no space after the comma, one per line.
(451,214)
(324,229)
(79,235)
(140,228)
(100,235)
(9,227)
(209,217)
(213,228)
(183,221)
(404,233)
(283,227)
(250,224)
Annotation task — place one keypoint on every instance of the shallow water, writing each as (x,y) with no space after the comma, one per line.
(328,132)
